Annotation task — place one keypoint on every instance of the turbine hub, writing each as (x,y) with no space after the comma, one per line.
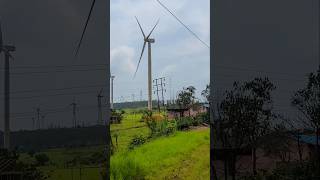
(9,48)
(150,40)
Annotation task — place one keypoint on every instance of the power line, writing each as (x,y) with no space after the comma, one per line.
(58,71)
(194,34)
(54,67)
(54,95)
(57,89)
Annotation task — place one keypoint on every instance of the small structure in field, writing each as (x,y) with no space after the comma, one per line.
(176,111)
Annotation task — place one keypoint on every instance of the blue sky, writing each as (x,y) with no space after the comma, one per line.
(176,53)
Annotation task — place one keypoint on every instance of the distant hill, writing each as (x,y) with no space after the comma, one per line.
(55,138)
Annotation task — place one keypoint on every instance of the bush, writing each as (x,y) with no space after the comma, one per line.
(30,171)
(137,140)
(184,123)
(97,158)
(161,128)
(146,116)
(167,127)
(42,159)
(203,118)
(118,115)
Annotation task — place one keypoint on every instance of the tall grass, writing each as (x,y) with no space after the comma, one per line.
(156,156)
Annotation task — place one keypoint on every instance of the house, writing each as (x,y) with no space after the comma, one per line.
(175,111)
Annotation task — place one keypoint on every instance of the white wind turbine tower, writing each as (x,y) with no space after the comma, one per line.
(148,40)
(6,49)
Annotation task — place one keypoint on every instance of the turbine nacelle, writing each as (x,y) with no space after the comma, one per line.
(5,48)
(149,40)
(8,48)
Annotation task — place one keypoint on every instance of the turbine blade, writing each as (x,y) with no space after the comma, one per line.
(153,28)
(144,36)
(144,45)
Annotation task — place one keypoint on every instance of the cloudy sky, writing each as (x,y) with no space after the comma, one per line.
(176,54)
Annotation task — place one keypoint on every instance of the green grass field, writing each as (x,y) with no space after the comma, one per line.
(129,127)
(184,155)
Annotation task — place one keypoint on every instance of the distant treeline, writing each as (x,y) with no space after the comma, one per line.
(56,138)
(135,104)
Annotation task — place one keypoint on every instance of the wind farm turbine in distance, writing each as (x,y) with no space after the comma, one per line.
(148,40)
(6,49)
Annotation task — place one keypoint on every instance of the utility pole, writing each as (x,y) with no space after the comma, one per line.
(156,85)
(43,122)
(163,84)
(38,116)
(74,113)
(100,120)
(33,124)
(112,78)
(159,85)
(140,95)
(132,97)
(6,49)
(171,91)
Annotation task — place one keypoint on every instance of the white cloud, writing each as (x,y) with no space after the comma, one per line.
(168,70)
(122,59)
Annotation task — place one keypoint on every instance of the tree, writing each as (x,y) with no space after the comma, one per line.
(259,109)
(186,97)
(231,129)
(206,93)
(307,101)
(245,115)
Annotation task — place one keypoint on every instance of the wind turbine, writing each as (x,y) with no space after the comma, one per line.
(6,49)
(147,39)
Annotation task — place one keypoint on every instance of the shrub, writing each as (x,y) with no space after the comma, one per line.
(203,117)
(146,115)
(184,123)
(167,127)
(161,128)
(42,159)
(118,115)
(97,158)
(137,140)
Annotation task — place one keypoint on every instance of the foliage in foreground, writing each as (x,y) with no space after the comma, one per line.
(289,171)
(159,154)
(30,171)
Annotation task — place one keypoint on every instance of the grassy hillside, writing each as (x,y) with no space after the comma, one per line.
(184,155)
